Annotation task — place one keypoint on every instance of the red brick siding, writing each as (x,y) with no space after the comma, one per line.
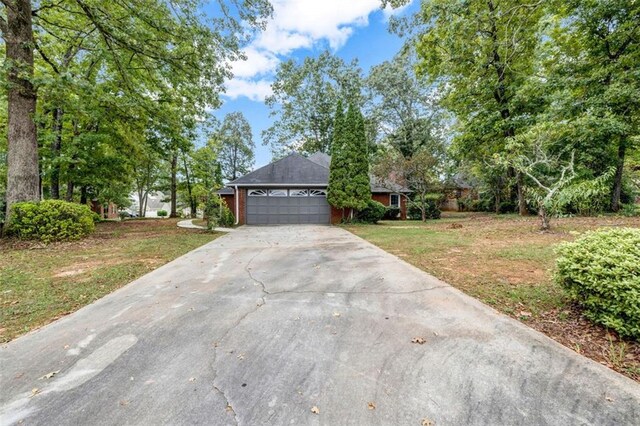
(230,200)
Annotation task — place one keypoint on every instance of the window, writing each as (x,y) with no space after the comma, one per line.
(298,192)
(277,193)
(257,193)
(317,193)
(394,200)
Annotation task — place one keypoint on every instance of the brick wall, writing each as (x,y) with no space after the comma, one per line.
(230,200)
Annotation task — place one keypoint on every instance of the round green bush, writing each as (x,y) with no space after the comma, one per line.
(51,220)
(162,213)
(601,271)
(372,213)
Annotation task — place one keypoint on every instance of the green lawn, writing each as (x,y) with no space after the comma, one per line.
(506,262)
(41,283)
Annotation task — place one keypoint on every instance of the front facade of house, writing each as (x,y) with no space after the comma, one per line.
(293,190)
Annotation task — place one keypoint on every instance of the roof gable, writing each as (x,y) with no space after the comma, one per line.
(294,169)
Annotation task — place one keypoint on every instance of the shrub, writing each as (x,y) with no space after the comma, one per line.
(217,213)
(372,213)
(391,213)
(161,213)
(432,210)
(51,220)
(600,270)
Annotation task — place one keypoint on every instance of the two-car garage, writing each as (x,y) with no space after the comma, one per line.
(276,206)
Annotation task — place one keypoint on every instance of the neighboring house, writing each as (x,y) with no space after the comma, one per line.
(105,210)
(458,195)
(293,190)
(155,201)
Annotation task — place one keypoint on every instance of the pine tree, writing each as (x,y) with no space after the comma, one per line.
(337,170)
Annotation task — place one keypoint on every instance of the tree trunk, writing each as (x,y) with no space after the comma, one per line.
(22,155)
(174,185)
(617,182)
(544,219)
(55,153)
(69,195)
(522,202)
(424,209)
(83,194)
(192,202)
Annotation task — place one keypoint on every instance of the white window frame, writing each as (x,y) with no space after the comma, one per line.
(298,193)
(257,192)
(278,193)
(317,193)
(397,206)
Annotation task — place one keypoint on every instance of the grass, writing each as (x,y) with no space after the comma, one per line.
(506,262)
(40,283)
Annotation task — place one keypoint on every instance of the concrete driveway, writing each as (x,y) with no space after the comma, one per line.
(265,323)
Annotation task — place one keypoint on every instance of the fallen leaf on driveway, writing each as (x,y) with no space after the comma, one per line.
(49,375)
(35,391)
(608,398)
(427,422)
(192,379)
(371,406)
(336,314)
(418,340)
(315,410)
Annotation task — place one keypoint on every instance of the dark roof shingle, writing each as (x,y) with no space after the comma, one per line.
(293,169)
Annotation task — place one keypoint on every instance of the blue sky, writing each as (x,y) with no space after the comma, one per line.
(300,28)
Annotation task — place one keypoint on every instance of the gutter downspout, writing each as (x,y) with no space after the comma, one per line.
(237,197)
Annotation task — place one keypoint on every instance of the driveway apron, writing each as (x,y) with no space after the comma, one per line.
(300,325)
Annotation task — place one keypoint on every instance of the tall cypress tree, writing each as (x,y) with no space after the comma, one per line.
(357,189)
(349,171)
(336,194)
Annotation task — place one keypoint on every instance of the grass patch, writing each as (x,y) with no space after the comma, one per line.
(506,262)
(41,283)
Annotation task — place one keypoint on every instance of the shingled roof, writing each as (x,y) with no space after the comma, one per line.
(292,170)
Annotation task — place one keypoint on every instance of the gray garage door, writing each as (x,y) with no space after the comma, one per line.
(287,206)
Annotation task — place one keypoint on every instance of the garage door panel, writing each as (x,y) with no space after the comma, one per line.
(271,210)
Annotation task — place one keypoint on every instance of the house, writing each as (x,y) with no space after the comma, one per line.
(293,190)
(155,201)
(104,210)
(459,194)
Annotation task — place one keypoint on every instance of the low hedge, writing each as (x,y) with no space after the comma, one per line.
(601,271)
(51,220)
(374,212)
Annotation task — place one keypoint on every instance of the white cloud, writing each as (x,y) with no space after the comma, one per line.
(254,90)
(298,24)
(258,62)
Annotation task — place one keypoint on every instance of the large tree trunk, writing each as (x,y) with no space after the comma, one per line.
(70,188)
(174,185)
(617,182)
(55,153)
(83,195)
(22,158)
(192,202)
(522,202)
(544,218)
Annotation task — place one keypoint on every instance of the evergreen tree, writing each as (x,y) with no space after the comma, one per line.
(337,170)
(359,189)
(349,172)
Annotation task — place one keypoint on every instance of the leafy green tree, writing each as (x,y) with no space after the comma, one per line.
(593,66)
(235,148)
(142,55)
(482,52)
(420,173)
(303,102)
(405,107)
